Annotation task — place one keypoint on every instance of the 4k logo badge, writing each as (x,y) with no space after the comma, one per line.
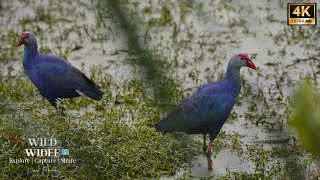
(302,13)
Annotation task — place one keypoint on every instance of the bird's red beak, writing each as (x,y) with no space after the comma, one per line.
(22,38)
(249,63)
(20,42)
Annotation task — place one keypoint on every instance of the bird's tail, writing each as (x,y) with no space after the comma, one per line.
(94,93)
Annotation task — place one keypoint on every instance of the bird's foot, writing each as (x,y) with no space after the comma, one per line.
(59,113)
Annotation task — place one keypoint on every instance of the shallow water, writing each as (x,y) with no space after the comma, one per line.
(247,28)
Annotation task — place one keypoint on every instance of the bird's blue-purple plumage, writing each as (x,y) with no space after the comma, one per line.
(56,78)
(207,109)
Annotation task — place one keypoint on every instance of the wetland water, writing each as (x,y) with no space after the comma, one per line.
(192,42)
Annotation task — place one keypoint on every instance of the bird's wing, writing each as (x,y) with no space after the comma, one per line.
(62,74)
(201,109)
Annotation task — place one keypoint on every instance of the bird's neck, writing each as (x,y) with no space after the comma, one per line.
(233,76)
(30,51)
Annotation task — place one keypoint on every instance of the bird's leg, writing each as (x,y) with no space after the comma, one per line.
(207,151)
(204,147)
(59,112)
(208,154)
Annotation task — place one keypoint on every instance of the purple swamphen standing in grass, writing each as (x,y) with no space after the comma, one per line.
(53,76)
(207,109)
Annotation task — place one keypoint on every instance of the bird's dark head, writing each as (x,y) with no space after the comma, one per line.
(26,38)
(240,60)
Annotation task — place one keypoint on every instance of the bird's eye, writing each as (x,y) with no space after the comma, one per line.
(241,59)
(27,37)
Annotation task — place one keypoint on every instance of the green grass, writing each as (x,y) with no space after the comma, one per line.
(104,145)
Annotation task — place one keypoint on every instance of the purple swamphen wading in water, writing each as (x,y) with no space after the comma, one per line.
(53,76)
(207,109)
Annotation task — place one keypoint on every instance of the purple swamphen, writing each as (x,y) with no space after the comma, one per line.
(53,76)
(207,109)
